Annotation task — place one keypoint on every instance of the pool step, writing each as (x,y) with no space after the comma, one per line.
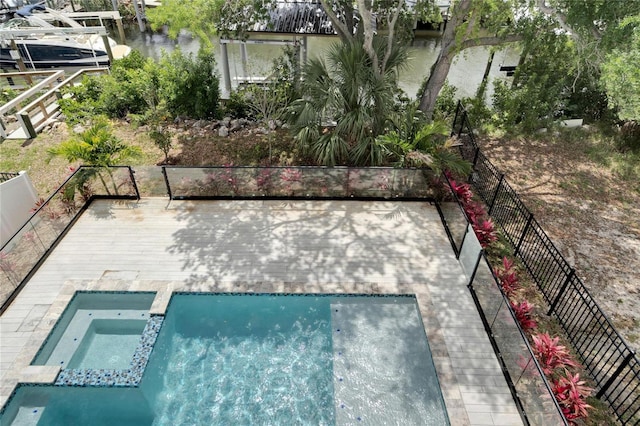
(383,371)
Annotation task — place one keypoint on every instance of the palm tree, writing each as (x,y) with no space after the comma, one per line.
(347,103)
(98,147)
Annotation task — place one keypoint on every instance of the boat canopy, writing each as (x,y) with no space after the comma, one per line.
(26,11)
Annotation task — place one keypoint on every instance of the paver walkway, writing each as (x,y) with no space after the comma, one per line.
(272,246)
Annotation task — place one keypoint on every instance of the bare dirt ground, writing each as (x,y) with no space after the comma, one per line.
(590,213)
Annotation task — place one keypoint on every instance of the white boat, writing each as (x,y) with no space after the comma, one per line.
(46,38)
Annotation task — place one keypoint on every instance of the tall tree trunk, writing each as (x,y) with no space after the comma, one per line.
(437,78)
(453,43)
(441,67)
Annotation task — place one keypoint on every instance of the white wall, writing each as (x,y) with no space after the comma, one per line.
(17,198)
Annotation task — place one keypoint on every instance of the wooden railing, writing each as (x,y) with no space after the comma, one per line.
(48,83)
(34,116)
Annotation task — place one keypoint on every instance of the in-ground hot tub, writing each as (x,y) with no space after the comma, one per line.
(97,330)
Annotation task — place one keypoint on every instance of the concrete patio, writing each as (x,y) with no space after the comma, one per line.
(269,246)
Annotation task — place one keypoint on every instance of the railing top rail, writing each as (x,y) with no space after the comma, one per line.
(52,92)
(105,14)
(28,93)
(24,74)
(17,34)
(294,167)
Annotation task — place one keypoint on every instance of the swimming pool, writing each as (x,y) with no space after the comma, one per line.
(265,359)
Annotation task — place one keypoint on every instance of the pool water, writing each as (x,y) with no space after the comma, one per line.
(265,359)
(108,344)
(242,360)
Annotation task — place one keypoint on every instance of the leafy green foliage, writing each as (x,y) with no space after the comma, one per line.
(237,105)
(162,138)
(79,103)
(269,101)
(445,103)
(179,84)
(205,18)
(621,75)
(189,85)
(428,146)
(541,80)
(7,94)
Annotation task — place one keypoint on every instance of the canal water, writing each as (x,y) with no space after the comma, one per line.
(466,72)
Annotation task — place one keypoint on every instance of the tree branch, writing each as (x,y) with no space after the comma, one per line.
(340,27)
(392,27)
(562,19)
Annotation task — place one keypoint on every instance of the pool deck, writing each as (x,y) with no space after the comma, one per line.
(271,247)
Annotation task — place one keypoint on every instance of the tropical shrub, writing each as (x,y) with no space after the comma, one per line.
(429,146)
(482,225)
(507,277)
(96,146)
(551,355)
(523,312)
(190,86)
(162,138)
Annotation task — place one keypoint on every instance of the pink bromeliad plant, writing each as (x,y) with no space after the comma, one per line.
(482,225)
(507,277)
(571,394)
(524,311)
(555,359)
(551,355)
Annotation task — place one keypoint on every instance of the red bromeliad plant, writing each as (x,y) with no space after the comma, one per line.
(507,277)
(462,190)
(483,226)
(523,311)
(571,393)
(551,355)
(555,360)
(485,231)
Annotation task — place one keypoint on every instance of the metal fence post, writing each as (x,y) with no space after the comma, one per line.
(475,157)
(475,269)
(495,194)
(615,374)
(561,291)
(464,237)
(455,119)
(524,232)
(133,181)
(464,116)
(166,182)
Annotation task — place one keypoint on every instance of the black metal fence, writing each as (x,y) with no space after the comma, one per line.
(21,255)
(298,183)
(528,383)
(5,176)
(613,365)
